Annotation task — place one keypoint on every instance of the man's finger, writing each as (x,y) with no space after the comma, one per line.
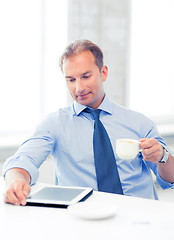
(10,197)
(26,189)
(16,193)
(22,191)
(147,142)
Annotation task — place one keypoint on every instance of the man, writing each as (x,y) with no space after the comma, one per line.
(68,136)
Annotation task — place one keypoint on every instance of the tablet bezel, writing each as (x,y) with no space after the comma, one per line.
(85,193)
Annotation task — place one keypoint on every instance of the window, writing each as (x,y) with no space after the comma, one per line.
(152,59)
(33,35)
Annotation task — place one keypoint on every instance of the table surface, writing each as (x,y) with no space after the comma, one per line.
(135,218)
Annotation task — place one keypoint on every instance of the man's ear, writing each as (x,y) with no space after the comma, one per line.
(104,72)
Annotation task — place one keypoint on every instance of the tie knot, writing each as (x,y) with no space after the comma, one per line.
(95,113)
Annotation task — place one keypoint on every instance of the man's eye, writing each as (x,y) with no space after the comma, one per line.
(86,76)
(72,79)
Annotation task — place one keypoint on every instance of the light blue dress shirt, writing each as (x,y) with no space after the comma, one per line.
(68,136)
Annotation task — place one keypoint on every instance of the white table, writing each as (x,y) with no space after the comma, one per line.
(135,218)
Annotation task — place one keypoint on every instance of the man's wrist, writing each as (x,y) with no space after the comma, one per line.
(165,156)
(17,173)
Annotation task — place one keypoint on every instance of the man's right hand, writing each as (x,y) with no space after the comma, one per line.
(17,186)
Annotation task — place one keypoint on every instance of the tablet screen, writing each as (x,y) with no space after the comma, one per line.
(59,195)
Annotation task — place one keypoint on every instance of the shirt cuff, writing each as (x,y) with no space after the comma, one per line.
(23,163)
(163,183)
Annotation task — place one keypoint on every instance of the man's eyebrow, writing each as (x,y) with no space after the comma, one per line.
(69,77)
(88,72)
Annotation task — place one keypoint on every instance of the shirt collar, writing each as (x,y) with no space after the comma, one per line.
(106,106)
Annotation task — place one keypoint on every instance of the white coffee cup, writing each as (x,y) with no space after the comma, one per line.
(127,148)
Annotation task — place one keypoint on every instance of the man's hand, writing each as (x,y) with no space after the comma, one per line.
(152,149)
(17,186)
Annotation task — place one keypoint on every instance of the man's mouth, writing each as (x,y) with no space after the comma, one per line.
(82,96)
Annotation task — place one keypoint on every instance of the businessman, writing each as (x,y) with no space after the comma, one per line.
(71,136)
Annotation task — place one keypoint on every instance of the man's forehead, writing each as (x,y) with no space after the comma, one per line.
(80,62)
(81,56)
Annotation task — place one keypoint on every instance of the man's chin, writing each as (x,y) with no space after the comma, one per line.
(83,100)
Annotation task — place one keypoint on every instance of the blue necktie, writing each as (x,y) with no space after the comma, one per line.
(108,179)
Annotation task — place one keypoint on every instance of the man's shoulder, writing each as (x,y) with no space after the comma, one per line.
(122,109)
(62,112)
(61,115)
(126,113)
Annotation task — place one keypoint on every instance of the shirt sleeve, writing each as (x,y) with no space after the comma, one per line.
(33,152)
(153,133)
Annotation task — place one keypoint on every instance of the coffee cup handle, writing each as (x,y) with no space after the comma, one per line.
(141,149)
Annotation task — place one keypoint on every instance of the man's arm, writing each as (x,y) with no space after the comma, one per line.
(153,151)
(17,186)
(166,170)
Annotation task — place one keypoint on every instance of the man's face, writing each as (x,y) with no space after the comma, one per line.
(84,80)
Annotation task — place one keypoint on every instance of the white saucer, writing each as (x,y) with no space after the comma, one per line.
(92,211)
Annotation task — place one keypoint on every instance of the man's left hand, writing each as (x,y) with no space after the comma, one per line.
(152,150)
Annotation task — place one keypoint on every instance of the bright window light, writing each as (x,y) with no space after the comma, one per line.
(33,35)
(152,59)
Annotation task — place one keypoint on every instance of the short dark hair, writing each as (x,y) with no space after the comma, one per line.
(79,46)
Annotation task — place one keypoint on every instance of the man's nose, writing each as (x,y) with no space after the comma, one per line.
(79,86)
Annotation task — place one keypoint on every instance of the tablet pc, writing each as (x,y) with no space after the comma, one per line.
(58,196)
